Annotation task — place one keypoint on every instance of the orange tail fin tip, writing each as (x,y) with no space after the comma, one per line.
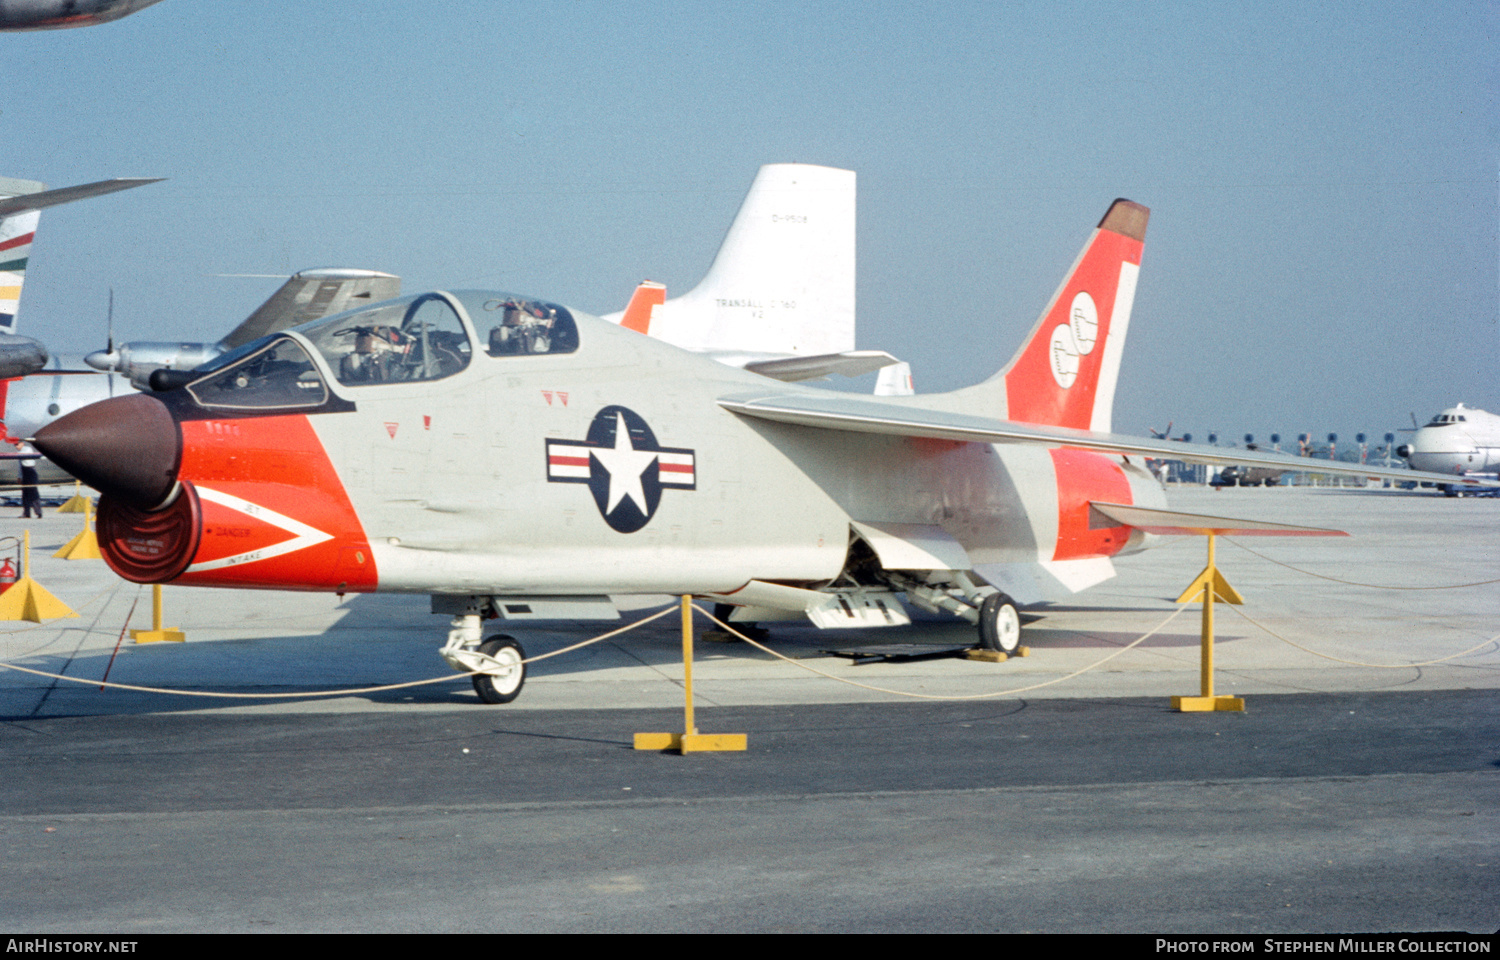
(647,297)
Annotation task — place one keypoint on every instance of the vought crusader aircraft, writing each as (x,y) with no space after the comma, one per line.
(515,459)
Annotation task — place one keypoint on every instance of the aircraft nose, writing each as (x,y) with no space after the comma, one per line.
(127,447)
(105,360)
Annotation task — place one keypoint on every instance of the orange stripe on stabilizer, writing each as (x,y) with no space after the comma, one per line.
(647,297)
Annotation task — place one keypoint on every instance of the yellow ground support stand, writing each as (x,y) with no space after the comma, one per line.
(1210,583)
(690,740)
(85,545)
(29,600)
(1205,587)
(77,503)
(157,634)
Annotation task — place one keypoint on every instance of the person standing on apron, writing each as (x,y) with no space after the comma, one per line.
(30,499)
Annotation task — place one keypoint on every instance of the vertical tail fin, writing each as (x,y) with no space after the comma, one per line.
(21,203)
(16,233)
(1066,372)
(783,280)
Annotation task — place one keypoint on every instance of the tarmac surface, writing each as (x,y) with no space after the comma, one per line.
(1357,793)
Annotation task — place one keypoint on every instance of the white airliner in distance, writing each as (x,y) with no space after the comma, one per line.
(62,14)
(1459,440)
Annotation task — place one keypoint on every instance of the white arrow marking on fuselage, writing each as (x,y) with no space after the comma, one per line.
(303,536)
(625,465)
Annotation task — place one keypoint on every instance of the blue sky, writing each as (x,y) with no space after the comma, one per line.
(1323,177)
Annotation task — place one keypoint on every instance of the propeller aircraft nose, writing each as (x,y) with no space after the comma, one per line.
(103,360)
(127,447)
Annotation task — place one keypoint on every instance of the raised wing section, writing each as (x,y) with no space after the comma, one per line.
(851,363)
(893,418)
(312,294)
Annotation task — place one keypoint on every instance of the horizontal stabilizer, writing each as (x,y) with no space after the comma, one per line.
(851,363)
(1170,523)
(901,417)
(51,198)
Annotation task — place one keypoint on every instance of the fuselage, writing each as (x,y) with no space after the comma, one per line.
(65,384)
(1459,440)
(347,455)
(61,14)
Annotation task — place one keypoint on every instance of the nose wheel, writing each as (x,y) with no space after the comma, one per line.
(505,671)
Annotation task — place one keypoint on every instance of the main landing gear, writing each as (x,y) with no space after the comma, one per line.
(999,624)
(500,660)
(995,614)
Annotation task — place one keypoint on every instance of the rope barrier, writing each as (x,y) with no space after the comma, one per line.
(332,693)
(933,696)
(754,643)
(1352,583)
(1360,663)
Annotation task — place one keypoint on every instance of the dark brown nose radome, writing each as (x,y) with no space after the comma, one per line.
(127,447)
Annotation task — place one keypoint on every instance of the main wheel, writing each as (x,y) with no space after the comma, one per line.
(999,624)
(504,686)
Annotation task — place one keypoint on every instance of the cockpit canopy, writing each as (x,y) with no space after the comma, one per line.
(398,341)
(409,340)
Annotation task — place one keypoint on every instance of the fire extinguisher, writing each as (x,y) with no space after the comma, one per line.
(7,574)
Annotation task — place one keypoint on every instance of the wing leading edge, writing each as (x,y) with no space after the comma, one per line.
(830,412)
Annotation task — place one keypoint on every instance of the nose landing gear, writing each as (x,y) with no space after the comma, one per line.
(500,660)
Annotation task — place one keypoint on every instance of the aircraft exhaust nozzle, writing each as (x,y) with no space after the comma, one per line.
(127,447)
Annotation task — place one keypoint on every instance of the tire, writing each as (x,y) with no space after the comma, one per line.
(999,624)
(507,686)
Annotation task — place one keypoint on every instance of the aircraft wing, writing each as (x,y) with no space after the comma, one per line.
(850,363)
(311,294)
(851,413)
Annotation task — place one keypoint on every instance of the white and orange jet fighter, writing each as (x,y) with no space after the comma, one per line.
(516,459)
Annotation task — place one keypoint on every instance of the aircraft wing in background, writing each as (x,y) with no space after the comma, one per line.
(892,417)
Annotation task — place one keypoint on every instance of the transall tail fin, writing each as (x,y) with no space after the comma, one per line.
(783,280)
(1066,372)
